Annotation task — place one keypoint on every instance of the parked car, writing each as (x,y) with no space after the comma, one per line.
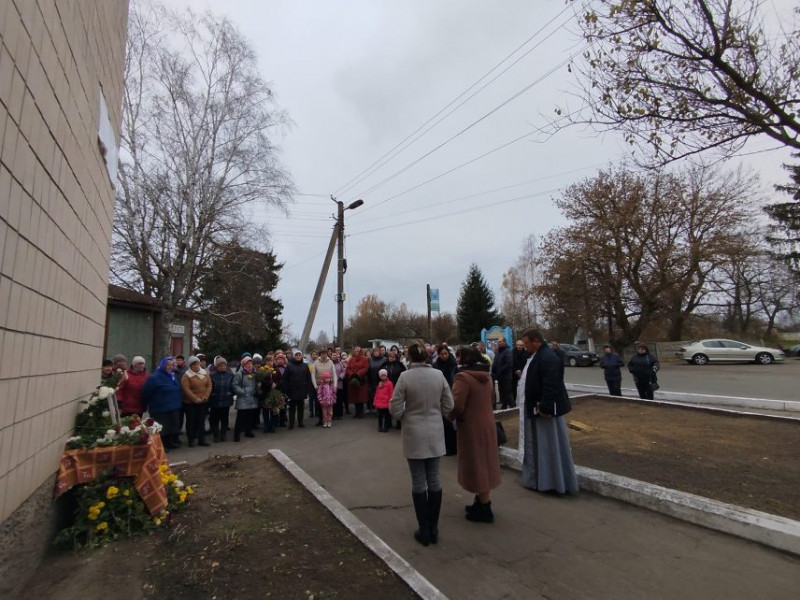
(705,351)
(575,357)
(794,350)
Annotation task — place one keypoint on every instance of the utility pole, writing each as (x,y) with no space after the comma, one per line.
(428,296)
(336,238)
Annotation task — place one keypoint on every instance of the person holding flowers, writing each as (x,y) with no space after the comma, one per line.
(196,387)
(162,398)
(244,383)
(270,398)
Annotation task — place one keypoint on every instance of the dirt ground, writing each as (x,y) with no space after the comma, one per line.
(252,531)
(748,461)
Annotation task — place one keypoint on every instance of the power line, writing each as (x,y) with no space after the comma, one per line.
(378,163)
(470,126)
(446,215)
(485,192)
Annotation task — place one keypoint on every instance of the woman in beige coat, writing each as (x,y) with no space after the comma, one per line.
(420,399)
(478,458)
(196,388)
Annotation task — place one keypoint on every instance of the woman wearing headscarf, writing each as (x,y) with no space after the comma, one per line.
(356,374)
(478,458)
(129,390)
(244,383)
(644,366)
(196,387)
(446,363)
(420,399)
(161,394)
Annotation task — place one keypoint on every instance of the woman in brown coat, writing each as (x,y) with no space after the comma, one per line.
(478,458)
(196,388)
(356,374)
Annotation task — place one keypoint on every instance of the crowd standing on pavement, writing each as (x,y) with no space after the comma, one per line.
(441,400)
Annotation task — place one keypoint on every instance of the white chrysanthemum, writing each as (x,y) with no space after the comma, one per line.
(178,483)
(105,414)
(104,392)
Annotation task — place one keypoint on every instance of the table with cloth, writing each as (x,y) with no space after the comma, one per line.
(143,461)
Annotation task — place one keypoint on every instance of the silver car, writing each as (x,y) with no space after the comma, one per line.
(705,351)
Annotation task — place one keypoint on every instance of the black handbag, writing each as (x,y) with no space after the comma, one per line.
(654,386)
(502,438)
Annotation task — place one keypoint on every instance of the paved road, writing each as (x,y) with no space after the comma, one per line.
(540,547)
(775,382)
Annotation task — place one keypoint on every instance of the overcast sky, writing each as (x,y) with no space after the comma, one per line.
(358,76)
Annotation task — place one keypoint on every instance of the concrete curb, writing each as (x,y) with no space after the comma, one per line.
(769,530)
(788,406)
(413,578)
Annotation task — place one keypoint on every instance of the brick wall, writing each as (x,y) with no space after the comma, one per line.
(56,207)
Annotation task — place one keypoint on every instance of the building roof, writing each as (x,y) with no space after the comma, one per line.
(120,296)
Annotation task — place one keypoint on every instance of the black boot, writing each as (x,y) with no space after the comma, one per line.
(471,507)
(434,506)
(482,513)
(422,534)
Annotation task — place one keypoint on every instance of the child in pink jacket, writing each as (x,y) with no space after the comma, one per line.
(326,396)
(383,393)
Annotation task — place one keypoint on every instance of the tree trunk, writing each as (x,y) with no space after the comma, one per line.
(164,335)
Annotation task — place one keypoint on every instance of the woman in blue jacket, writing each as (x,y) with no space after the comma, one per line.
(161,395)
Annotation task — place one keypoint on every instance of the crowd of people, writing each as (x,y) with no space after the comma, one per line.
(442,400)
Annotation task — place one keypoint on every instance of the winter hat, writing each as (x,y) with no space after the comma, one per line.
(383,372)
(326,376)
(201,356)
(137,360)
(218,360)
(246,354)
(257,357)
(245,360)
(192,360)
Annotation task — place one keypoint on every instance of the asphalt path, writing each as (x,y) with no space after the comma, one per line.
(779,381)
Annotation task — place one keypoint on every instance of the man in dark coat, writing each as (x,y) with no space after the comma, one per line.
(502,373)
(611,362)
(296,384)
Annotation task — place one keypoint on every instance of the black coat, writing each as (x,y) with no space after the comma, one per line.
(393,370)
(518,359)
(610,363)
(502,366)
(644,368)
(221,389)
(296,380)
(544,384)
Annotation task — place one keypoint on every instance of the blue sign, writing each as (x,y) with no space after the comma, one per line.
(434,299)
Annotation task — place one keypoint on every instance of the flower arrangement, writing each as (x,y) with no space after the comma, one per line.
(94,428)
(271,398)
(109,508)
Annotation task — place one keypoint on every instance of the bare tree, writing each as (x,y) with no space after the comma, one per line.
(685,77)
(518,302)
(640,248)
(196,149)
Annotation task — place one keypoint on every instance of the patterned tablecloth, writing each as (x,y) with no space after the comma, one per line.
(81,466)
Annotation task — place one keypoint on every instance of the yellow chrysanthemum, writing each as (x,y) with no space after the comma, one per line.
(93,516)
(101,526)
(157,521)
(182,497)
(163,468)
(100,505)
(126,493)
(112,492)
(128,502)
(189,490)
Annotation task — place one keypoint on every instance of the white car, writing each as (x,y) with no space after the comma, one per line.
(702,352)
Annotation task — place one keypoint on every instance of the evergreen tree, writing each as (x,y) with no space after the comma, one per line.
(475,307)
(239,310)
(784,235)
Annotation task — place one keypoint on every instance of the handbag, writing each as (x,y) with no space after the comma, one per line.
(502,438)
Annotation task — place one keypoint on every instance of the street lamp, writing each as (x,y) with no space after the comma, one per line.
(336,237)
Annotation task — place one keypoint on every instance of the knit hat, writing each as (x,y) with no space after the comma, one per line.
(245,360)
(137,360)
(326,376)
(192,360)
(218,360)
(257,357)
(246,354)
(383,372)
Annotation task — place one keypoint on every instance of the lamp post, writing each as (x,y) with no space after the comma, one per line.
(336,237)
(342,267)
